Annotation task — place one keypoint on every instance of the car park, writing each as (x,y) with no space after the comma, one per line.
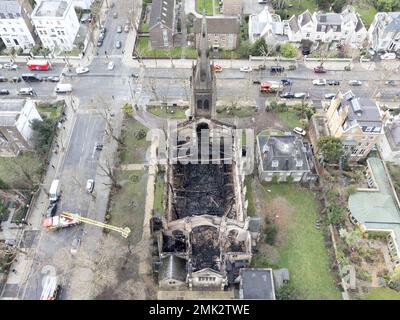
(286,82)
(10,66)
(90,185)
(299,131)
(319,82)
(81,70)
(355,83)
(246,69)
(119,29)
(329,95)
(75,245)
(287,95)
(118,44)
(110,65)
(391,83)
(4,92)
(333,82)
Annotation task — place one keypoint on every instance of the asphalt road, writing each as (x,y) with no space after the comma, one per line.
(80,164)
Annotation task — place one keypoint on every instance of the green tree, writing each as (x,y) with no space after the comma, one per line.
(335,214)
(331,149)
(384,5)
(43,134)
(127,109)
(338,5)
(288,50)
(286,292)
(244,49)
(261,48)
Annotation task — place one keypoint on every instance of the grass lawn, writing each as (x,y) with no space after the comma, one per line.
(135,149)
(290,118)
(367,13)
(50,110)
(303,250)
(127,204)
(207,5)
(273,131)
(241,112)
(163,112)
(158,194)
(144,27)
(251,210)
(74,52)
(145,51)
(381,294)
(301,6)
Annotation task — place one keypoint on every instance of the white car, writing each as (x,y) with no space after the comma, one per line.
(111,65)
(355,83)
(319,82)
(75,245)
(81,70)
(388,56)
(329,95)
(10,66)
(299,131)
(300,95)
(1,66)
(246,69)
(90,185)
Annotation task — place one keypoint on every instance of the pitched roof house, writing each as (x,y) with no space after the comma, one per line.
(384,32)
(162,23)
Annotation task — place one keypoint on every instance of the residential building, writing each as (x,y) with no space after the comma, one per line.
(16,29)
(356,121)
(257,284)
(384,32)
(389,142)
(223,32)
(376,208)
(232,7)
(56,24)
(283,156)
(162,24)
(345,27)
(15,126)
(83,4)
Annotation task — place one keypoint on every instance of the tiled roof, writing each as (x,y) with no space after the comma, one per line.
(225,25)
(162,11)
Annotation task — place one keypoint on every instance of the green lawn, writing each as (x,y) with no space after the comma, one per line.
(290,118)
(251,210)
(173,113)
(205,4)
(159,194)
(367,13)
(134,150)
(303,251)
(241,112)
(301,6)
(74,52)
(145,51)
(50,110)
(144,27)
(381,294)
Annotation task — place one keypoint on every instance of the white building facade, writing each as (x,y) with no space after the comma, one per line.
(16,29)
(389,143)
(384,32)
(56,23)
(83,4)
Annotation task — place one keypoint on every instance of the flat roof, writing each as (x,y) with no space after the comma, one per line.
(257,283)
(51,9)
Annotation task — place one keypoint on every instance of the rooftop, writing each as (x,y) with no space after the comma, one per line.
(51,9)
(218,24)
(377,209)
(282,153)
(257,284)
(392,132)
(162,11)
(9,9)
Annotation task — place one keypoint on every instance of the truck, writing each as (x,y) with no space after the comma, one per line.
(59,222)
(54,191)
(271,87)
(38,64)
(63,88)
(50,288)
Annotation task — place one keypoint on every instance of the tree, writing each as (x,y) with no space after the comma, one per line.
(384,5)
(244,49)
(261,48)
(127,109)
(338,6)
(43,134)
(335,214)
(323,4)
(331,149)
(288,50)
(286,292)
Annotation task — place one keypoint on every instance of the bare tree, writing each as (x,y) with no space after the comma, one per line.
(108,170)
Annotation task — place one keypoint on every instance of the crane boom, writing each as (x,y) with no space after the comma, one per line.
(123,231)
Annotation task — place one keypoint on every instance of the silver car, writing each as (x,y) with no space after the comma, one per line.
(355,83)
(118,44)
(119,29)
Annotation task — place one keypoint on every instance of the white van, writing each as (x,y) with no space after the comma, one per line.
(63,87)
(388,56)
(26,92)
(54,191)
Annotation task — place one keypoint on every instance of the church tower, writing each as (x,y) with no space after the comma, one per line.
(203,79)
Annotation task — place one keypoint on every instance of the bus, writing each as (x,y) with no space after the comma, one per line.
(38,64)
(50,288)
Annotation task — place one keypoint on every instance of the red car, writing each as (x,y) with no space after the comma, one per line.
(320,69)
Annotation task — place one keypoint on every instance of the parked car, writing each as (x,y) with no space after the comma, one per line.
(217,68)
(246,69)
(355,83)
(53,78)
(118,44)
(305,51)
(10,66)
(103,29)
(329,95)
(26,92)
(390,83)
(277,69)
(4,92)
(287,95)
(299,131)
(256,82)
(333,82)
(90,185)
(115,15)
(388,56)
(99,43)
(102,36)
(110,65)
(286,82)
(371,51)
(320,69)
(81,70)
(75,245)
(119,29)
(3,79)
(51,210)
(300,95)
(126,28)
(16,79)
(319,82)
(99,146)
